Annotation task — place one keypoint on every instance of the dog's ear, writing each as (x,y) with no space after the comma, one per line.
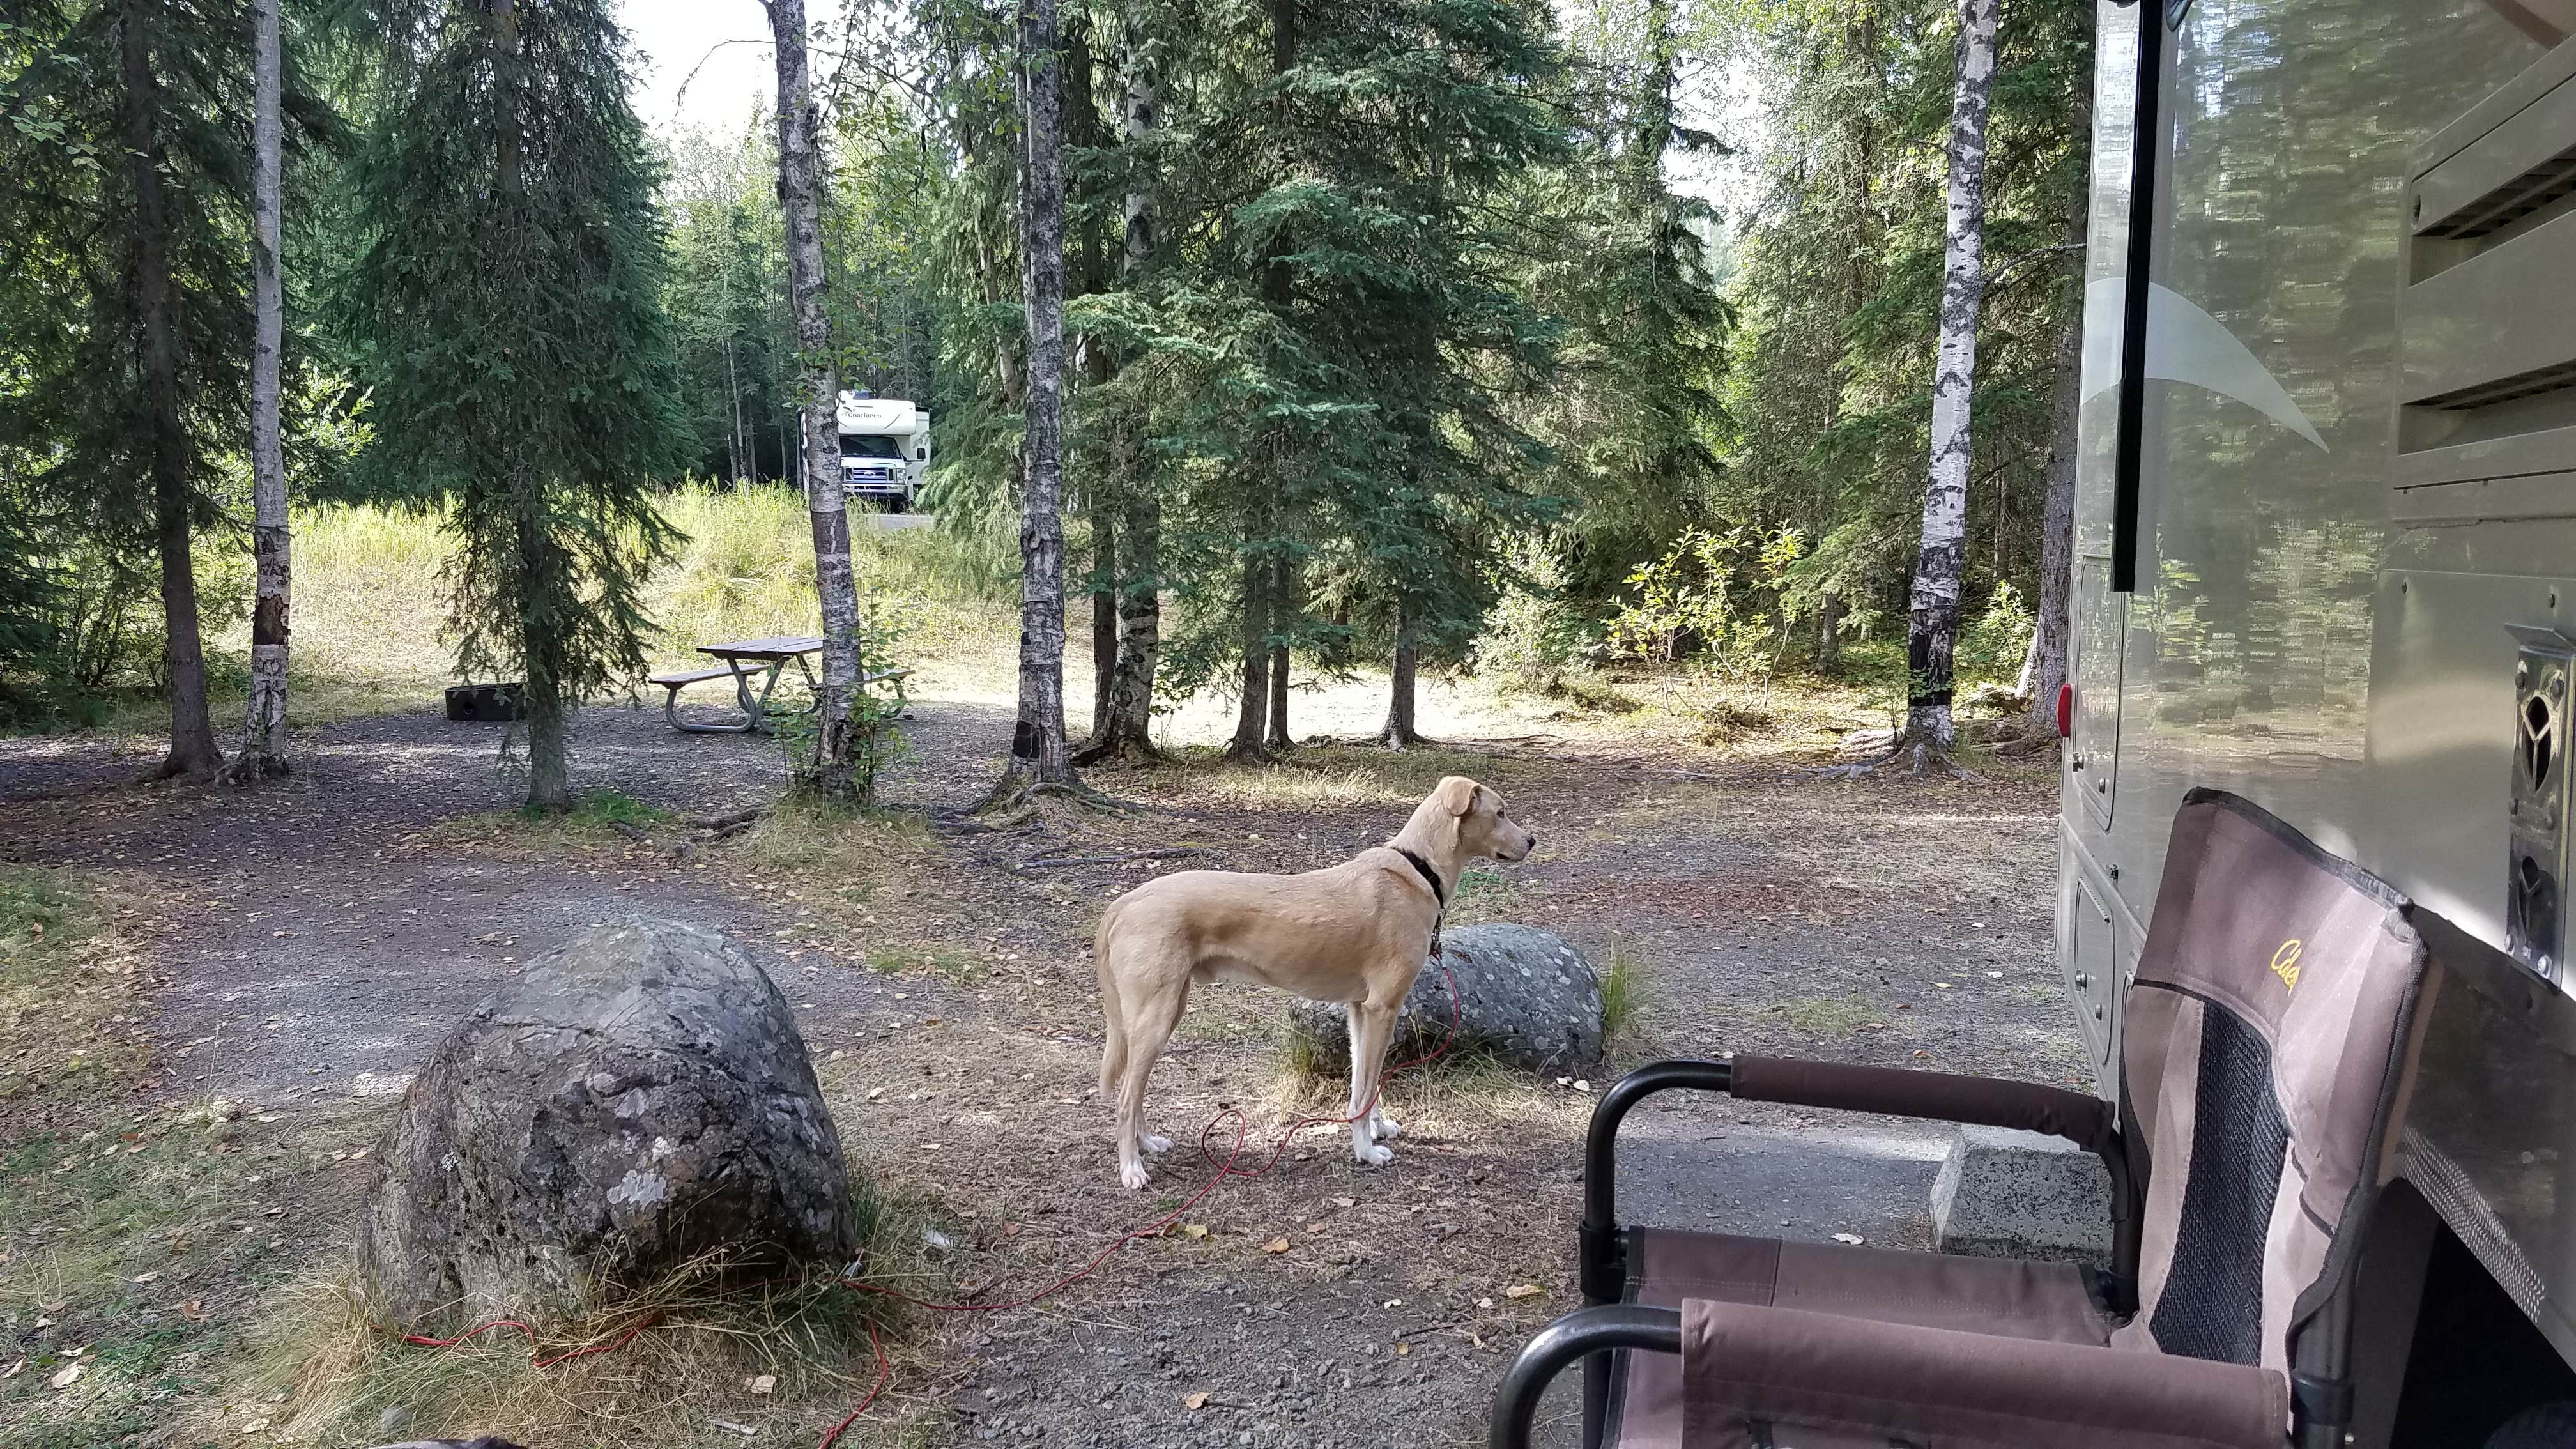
(1458,794)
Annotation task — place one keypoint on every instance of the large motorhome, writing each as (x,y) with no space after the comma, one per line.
(2326,560)
(885,449)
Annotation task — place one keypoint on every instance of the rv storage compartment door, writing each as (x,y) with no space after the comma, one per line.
(2486,422)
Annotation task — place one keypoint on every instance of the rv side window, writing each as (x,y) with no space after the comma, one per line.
(869,445)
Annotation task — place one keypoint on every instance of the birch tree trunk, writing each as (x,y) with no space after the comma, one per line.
(1039,754)
(264,739)
(836,744)
(160,441)
(1933,616)
(1125,728)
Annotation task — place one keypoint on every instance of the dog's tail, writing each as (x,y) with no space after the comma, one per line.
(1113,1047)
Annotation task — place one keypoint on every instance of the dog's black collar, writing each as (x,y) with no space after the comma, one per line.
(1439,892)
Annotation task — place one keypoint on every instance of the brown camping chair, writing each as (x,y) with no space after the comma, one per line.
(2264,1035)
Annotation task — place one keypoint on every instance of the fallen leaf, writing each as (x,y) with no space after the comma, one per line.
(762,1384)
(66,1377)
(43,1322)
(1484,1302)
(1523,1290)
(1010,1230)
(1193,1401)
(1853,1239)
(1194,1230)
(13,1370)
(1478,1340)
(1314,1227)
(1873,1026)
(1275,1245)
(1346,1202)
(1403,1349)
(143,1278)
(193,1310)
(254,1426)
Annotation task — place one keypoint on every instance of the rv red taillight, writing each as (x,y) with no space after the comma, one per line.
(2065,710)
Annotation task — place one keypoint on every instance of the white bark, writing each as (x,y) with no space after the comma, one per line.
(836,745)
(1933,622)
(264,743)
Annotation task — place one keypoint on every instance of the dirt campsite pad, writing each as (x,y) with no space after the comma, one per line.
(213,998)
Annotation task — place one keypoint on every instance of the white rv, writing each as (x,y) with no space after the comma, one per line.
(885,449)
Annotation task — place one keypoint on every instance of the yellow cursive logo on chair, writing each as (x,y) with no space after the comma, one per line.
(2285,964)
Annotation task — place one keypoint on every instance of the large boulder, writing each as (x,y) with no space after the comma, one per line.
(1523,995)
(638,1099)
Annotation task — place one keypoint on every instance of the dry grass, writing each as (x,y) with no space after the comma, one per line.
(64,981)
(371,598)
(692,1372)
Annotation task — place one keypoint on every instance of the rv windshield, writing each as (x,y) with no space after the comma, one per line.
(869,445)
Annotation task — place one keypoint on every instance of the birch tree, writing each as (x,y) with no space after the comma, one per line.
(264,739)
(1040,756)
(1932,625)
(836,746)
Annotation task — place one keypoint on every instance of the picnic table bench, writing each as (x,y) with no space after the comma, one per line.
(745,660)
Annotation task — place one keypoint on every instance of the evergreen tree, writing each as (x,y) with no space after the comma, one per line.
(128,291)
(505,308)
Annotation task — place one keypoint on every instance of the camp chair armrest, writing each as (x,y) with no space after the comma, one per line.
(2084,1120)
(1580,1334)
(1861,1377)
(2079,1117)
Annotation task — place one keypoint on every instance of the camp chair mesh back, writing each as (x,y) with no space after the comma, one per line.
(2263,1041)
(2264,1035)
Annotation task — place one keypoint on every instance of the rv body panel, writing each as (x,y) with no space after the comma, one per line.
(2356,557)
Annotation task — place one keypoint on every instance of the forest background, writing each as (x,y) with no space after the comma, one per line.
(1400,335)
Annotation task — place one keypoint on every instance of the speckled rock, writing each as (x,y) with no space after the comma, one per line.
(1524,996)
(638,1098)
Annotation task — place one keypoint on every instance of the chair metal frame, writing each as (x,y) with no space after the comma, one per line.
(2320,1388)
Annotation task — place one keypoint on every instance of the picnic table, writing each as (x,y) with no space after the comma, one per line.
(744,661)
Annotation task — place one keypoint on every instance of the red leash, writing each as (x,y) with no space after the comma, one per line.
(1224,1170)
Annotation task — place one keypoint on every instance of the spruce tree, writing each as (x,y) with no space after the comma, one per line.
(128,170)
(506,312)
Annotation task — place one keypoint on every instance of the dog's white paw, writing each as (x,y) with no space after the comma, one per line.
(1153,1144)
(1133,1178)
(1386,1128)
(1369,1154)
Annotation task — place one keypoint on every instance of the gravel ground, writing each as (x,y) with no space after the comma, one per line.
(312,940)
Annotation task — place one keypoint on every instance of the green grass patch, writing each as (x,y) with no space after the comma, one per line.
(64,985)
(1622,989)
(1825,1015)
(602,810)
(1484,894)
(948,965)
(135,1249)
